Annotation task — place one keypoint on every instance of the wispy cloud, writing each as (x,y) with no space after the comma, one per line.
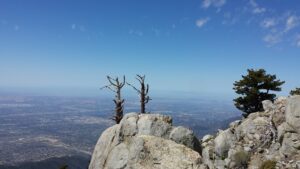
(298,40)
(173,26)
(16,27)
(291,22)
(214,3)
(81,28)
(136,32)
(256,9)
(156,31)
(277,27)
(73,26)
(229,19)
(280,29)
(272,39)
(268,23)
(201,22)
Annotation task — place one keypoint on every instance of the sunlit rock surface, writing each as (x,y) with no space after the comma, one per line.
(146,141)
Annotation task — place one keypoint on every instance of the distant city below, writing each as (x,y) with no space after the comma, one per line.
(39,128)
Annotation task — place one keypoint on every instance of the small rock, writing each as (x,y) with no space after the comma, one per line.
(223,142)
(268,105)
(207,137)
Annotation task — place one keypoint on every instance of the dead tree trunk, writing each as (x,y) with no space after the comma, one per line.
(143,92)
(116,86)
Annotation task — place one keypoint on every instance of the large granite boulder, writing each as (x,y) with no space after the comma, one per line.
(223,142)
(143,141)
(292,113)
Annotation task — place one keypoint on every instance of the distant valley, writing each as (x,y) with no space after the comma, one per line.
(38,130)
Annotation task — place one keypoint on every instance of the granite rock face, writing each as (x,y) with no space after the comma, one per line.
(146,141)
(292,113)
(269,135)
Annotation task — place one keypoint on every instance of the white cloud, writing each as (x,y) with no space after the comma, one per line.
(156,31)
(272,39)
(259,10)
(291,22)
(298,40)
(16,27)
(82,28)
(277,26)
(230,19)
(256,8)
(136,32)
(201,22)
(215,3)
(268,23)
(73,26)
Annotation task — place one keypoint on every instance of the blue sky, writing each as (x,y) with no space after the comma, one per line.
(192,46)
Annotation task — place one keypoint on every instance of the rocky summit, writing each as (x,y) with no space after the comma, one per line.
(146,141)
(264,140)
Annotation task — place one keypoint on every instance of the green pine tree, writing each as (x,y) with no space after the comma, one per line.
(254,88)
(295,92)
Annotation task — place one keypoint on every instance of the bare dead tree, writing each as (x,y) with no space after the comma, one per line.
(143,92)
(116,86)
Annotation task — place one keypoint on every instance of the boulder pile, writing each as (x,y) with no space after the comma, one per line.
(264,140)
(269,138)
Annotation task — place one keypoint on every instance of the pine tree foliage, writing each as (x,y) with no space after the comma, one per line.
(295,92)
(254,88)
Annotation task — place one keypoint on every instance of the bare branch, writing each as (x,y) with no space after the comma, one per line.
(137,90)
(141,77)
(147,89)
(139,80)
(108,87)
(111,80)
(147,99)
(124,80)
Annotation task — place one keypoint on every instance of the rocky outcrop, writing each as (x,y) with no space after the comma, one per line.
(146,141)
(272,135)
(292,114)
(149,141)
